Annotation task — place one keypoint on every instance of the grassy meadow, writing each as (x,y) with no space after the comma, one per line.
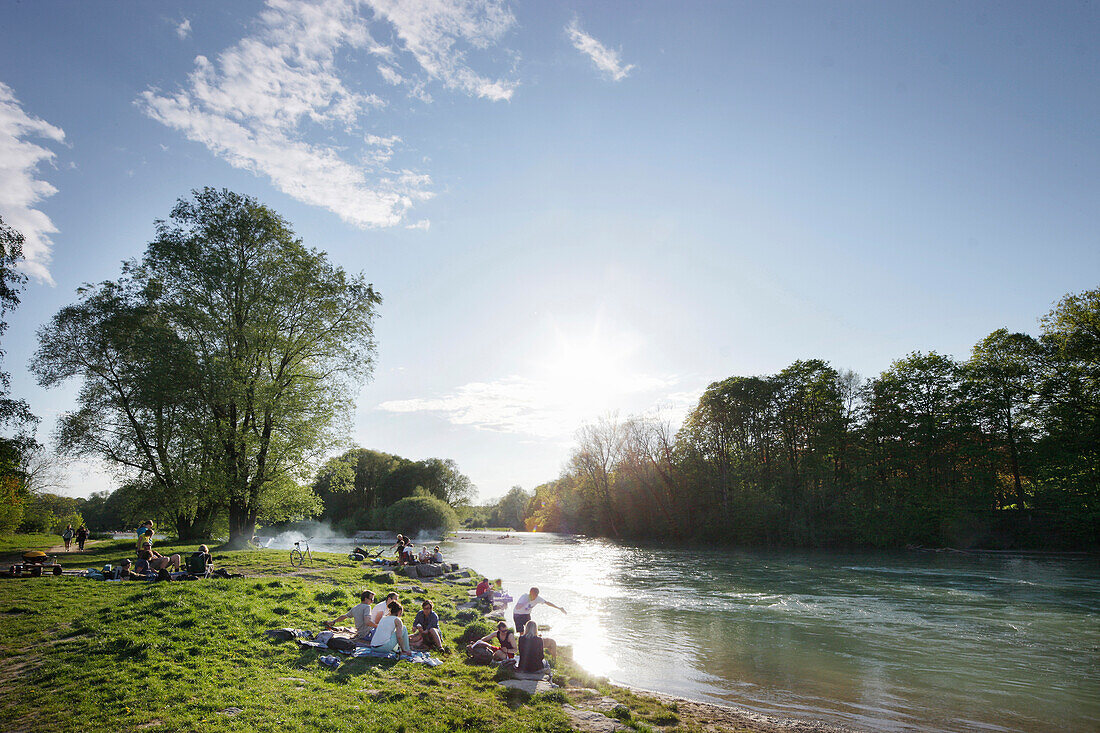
(83,655)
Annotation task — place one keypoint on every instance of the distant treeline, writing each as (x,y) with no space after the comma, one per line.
(999,451)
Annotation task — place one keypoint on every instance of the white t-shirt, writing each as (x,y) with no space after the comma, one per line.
(384,631)
(360,613)
(526,603)
(379,610)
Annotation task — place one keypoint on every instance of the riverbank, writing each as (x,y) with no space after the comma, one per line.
(97,656)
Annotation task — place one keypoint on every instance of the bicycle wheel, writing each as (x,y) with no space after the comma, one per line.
(296,558)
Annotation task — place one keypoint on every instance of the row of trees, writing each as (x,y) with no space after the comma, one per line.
(1002,449)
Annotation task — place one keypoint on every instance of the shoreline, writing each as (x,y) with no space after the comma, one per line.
(733,714)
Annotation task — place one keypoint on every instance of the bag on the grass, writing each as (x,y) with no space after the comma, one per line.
(341,644)
(480,654)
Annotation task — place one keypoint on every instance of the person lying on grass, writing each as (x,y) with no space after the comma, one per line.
(391,634)
(506,646)
(156,560)
(425,634)
(364,627)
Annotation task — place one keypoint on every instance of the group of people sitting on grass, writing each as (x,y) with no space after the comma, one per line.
(151,564)
(381,627)
(530,646)
(407,554)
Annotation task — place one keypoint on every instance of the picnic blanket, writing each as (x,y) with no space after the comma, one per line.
(305,638)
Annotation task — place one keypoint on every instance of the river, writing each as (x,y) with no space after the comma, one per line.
(877,641)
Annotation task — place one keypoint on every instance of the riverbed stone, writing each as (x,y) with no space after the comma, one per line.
(591,721)
(531,687)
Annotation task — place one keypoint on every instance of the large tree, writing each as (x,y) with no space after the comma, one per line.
(264,341)
(16,421)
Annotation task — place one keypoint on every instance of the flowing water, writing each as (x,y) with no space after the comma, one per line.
(875,641)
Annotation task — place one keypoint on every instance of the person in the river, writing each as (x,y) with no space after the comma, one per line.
(391,634)
(505,646)
(521,613)
(361,613)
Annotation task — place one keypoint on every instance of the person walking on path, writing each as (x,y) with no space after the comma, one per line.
(521,613)
(67,535)
(81,537)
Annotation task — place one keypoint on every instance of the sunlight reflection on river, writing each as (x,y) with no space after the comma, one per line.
(931,642)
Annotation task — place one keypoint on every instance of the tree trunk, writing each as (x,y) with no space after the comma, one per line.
(242,525)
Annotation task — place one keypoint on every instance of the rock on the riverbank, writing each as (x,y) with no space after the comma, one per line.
(591,721)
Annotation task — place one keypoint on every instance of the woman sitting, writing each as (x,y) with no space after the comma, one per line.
(505,647)
(532,648)
(156,560)
(390,634)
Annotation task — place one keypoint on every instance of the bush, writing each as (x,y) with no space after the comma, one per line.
(473,632)
(421,513)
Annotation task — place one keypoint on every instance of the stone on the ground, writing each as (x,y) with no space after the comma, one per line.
(531,687)
(429,571)
(410,571)
(591,721)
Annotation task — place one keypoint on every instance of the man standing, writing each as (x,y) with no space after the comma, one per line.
(81,537)
(521,613)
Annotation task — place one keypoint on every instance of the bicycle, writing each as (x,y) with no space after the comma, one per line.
(296,556)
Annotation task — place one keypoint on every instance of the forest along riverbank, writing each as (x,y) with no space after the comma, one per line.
(878,641)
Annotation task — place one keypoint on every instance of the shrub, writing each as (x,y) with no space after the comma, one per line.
(419,513)
(473,632)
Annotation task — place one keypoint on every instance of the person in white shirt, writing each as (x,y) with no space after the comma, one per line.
(391,634)
(379,611)
(521,613)
(361,613)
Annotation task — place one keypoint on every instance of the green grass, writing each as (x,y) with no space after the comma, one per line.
(191,656)
(16,543)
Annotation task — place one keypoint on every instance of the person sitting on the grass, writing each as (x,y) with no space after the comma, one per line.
(200,561)
(408,553)
(425,634)
(505,646)
(437,556)
(533,647)
(156,560)
(145,533)
(482,588)
(361,613)
(382,608)
(127,572)
(391,634)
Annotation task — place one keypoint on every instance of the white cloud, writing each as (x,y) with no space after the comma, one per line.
(183,30)
(422,224)
(433,31)
(605,59)
(20,187)
(258,103)
(390,75)
(546,407)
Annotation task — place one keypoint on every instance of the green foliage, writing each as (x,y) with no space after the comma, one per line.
(415,513)
(357,486)
(50,514)
(217,367)
(474,631)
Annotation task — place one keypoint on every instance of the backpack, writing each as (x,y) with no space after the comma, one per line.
(480,654)
(341,644)
(196,564)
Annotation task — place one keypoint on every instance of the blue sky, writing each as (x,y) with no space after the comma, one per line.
(574,209)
